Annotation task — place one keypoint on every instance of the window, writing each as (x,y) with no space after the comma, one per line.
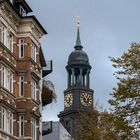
(11,37)
(33,52)
(11,1)
(11,82)
(21,85)
(4,119)
(21,126)
(6,40)
(33,129)
(7,121)
(22,11)
(21,48)
(3,76)
(10,122)
(3,34)
(33,89)
(7,78)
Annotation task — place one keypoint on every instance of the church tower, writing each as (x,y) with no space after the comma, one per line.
(78,96)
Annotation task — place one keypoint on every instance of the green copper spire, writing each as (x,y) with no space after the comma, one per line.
(78,45)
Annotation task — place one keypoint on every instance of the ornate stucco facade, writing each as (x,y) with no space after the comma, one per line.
(22,67)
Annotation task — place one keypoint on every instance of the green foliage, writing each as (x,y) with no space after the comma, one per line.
(126,96)
(123,122)
(95,125)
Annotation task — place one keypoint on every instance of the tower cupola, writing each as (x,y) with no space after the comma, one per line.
(78,66)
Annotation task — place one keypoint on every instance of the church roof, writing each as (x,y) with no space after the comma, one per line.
(78,57)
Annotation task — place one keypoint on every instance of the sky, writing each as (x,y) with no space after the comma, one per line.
(107,28)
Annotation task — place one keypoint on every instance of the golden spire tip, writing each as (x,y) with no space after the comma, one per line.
(78,21)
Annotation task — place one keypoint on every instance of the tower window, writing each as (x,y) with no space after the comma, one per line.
(3,76)
(33,52)
(33,89)
(7,78)
(10,122)
(21,126)
(11,81)
(21,85)
(21,48)
(11,1)
(4,119)
(7,121)
(33,129)
(6,40)
(11,37)
(3,34)
(22,11)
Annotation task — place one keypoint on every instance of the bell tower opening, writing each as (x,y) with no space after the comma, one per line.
(78,77)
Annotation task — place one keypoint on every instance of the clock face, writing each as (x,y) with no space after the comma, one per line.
(86,99)
(68,100)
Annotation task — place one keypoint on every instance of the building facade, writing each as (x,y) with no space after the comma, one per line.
(22,67)
(78,97)
(55,131)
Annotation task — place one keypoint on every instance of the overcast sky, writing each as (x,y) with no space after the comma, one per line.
(107,28)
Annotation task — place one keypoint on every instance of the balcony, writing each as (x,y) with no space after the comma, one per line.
(48,93)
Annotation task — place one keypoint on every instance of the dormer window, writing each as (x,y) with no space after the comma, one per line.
(22,11)
(11,1)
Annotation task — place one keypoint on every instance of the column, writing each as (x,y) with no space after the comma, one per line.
(81,82)
(88,79)
(72,76)
(69,79)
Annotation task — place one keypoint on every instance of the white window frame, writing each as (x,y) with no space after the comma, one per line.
(11,1)
(21,48)
(21,86)
(9,122)
(33,129)
(33,89)
(22,11)
(3,120)
(21,126)
(11,82)
(3,34)
(33,51)
(3,75)
(11,41)
(7,78)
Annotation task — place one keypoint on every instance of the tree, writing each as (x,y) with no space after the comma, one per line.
(95,125)
(86,125)
(126,96)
